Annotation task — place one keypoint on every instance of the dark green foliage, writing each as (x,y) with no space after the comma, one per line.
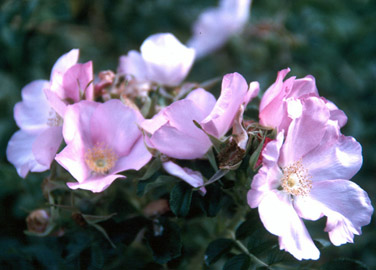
(216,249)
(180,199)
(238,262)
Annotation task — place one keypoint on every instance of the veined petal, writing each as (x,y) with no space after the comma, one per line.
(279,217)
(203,100)
(20,154)
(167,60)
(234,90)
(95,184)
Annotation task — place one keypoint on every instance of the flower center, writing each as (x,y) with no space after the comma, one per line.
(100,159)
(54,120)
(296,179)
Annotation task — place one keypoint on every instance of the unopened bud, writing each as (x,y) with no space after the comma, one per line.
(37,221)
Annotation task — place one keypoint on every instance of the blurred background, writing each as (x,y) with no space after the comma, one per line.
(333,40)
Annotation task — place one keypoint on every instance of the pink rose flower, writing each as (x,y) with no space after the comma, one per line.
(102,139)
(274,111)
(163,60)
(305,176)
(216,25)
(40,114)
(173,132)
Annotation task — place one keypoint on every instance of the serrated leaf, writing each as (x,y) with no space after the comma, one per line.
(216,249)
(164,241)
(180,199)
(238,262)
(247,227)
(213,200)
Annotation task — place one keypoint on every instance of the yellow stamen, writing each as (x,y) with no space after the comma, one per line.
(296,179)
(100,159)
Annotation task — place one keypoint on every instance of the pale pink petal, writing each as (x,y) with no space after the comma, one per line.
(279,218)
(181,114)
(234,89)
(167,60)
(77,121)
(151,125)
(337,157)
(203,100)
(254,89)
(216,25)
(32,113)
(308,208)
(194,178)
(134,65)
(178,144)
(77,80)
(274,90)
(347,207)
(336,114)
(56,102)
(60,67)
(271,152)
(304,86)
(46,145)
(301,137)
(138,157)
(20,154)
(115,125)
(72,158)
(95,184)
(266,179)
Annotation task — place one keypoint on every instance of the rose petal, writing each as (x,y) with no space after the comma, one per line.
(77,80)
(234,89)
(20,154)
(46,145)
(133,64)
(95,184)
(279,217)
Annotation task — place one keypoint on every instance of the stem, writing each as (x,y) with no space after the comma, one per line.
(250,255)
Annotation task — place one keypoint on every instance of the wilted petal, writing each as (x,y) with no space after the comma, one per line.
(20,154)
(279,217)
(167,60)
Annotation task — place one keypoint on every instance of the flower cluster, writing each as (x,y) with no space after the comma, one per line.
(97,128)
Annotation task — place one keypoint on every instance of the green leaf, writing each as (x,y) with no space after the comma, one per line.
(247,227)
(180,199)
(344,263)
(153,167)
(218,175)
(97,257)
(216,249)
(238,262)
(164,241)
